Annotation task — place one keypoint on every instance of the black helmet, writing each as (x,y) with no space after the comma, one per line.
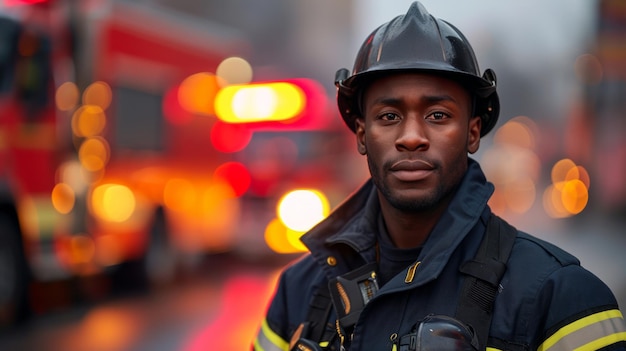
(418,42)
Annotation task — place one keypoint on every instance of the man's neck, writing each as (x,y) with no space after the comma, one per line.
(411,229)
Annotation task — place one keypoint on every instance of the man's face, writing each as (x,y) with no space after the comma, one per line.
(416,131)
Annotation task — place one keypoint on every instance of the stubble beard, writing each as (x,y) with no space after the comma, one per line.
(411,205)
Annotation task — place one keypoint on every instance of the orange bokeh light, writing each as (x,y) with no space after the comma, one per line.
(568,194)
(277,238)
(197,92)
(574,196)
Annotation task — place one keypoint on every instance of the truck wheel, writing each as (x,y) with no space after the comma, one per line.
(14,273)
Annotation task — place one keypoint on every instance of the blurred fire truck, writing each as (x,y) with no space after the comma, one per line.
(99,158)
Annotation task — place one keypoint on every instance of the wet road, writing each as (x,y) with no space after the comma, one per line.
(218,308)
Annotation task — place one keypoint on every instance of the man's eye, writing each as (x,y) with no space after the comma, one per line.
(437,115)
(389,116)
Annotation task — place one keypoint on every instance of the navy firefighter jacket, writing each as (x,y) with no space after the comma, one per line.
(546,300)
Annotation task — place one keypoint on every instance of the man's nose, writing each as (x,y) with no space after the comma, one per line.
(412,135)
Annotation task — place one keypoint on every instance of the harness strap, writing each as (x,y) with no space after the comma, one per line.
(484,272)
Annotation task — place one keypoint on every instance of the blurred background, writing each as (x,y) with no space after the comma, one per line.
(159,159)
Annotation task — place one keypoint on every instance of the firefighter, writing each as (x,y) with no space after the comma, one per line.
(415,259)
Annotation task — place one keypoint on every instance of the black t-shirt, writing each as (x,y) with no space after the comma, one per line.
(392,260)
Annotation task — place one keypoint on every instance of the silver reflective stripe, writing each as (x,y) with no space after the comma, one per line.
(589,333)
(268,340)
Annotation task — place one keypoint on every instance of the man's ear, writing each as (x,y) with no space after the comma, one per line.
(360,135)
(473,138)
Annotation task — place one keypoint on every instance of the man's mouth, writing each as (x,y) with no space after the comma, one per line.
(411,170)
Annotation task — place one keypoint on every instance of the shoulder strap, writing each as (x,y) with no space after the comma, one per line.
(484,274)
(311,332)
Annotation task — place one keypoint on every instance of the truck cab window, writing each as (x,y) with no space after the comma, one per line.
(138,121)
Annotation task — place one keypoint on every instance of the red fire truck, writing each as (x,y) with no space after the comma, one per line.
(114,158)
(99,158)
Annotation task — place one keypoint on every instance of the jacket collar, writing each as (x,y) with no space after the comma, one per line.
(353,223)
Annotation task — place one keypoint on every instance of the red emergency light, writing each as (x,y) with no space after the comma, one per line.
(24,2)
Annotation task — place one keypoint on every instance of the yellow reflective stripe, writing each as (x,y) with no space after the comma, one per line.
(606,325)
(577,325)
(493,349)
(602,342)
(268,340)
